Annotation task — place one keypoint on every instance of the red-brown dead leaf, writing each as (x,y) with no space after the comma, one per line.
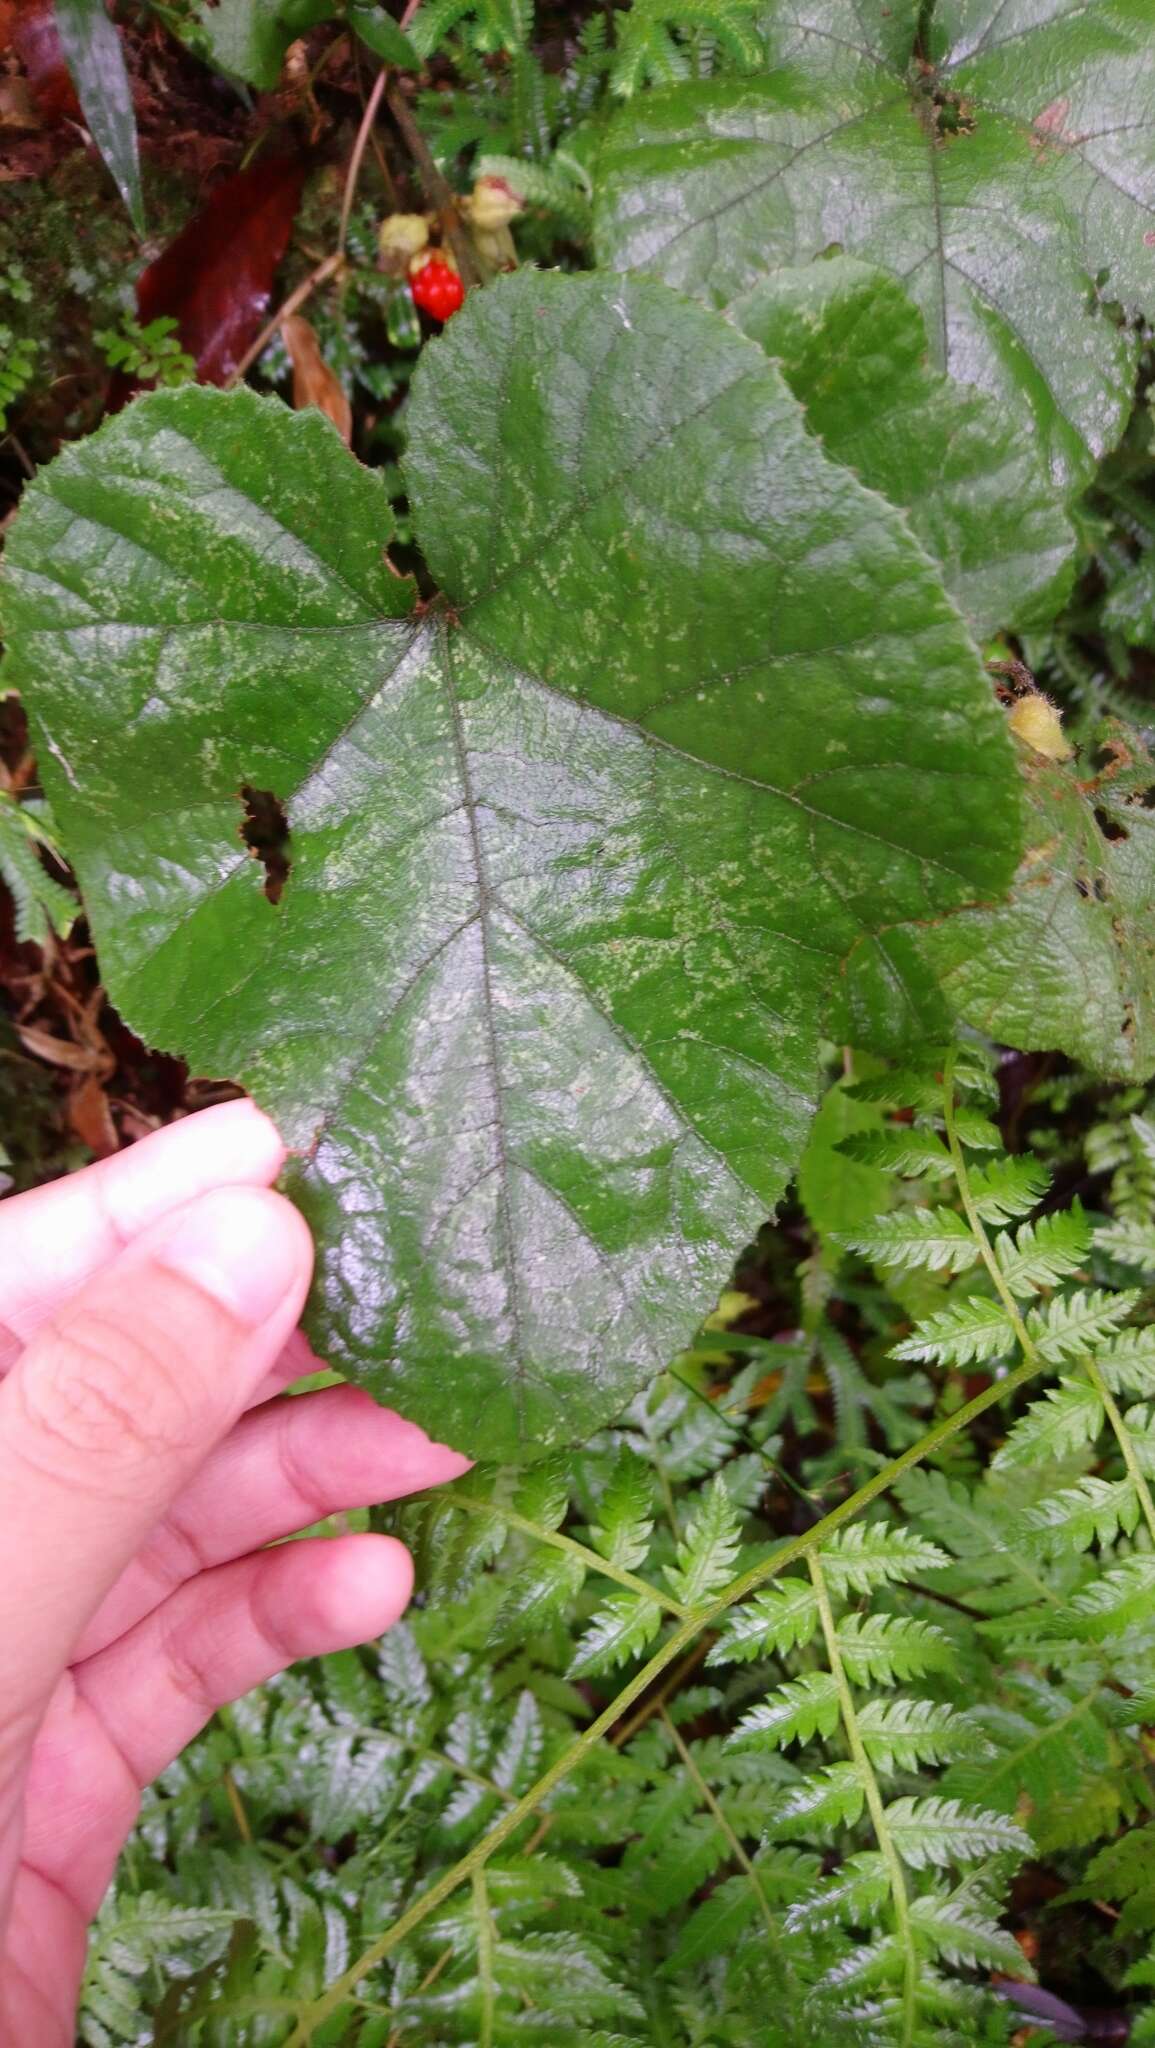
(29,30)
(90,1117)
(313,380)
(216,279)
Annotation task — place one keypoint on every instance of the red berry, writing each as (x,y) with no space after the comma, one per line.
(437,289)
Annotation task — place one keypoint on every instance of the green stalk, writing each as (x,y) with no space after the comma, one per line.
(1124,1441)
(978,1231)
(904,1933)
(589,1558)
(484,1957)
(718,1816)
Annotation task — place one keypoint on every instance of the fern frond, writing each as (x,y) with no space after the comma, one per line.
(782,1618)
(1132,1243)
(901,1150)
(1094,1510)
(900,1734)
(869,1554)
(962,1927)
(623,1627)
(1072,1325)
(854,1893)
(708,1549)
(1127,1363)
(625,1521)
(883,1649)
(1062,1421)
(1008,1188)
(801,1708)
(1122,1596)
(1038,1254)
(944,1831)
(832,1797)
(977,1132)
(41,904)
(966,1333)
(934,1239)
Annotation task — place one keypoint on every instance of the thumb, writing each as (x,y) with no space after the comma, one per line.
(116,1402)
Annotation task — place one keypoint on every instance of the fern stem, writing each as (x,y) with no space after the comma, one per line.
(683,1637)
(977,1228)
(718,1816)
(484,1956)
(1124,1441)
(590,1558)
(904,1933)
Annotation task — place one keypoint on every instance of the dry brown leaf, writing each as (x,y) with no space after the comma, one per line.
(90,1117)
(313,380)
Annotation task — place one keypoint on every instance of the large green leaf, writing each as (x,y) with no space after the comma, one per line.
(852,347)
(1068,964)
(1004,169)
(576,850)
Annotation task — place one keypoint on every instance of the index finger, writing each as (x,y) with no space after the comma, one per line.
(53,1239)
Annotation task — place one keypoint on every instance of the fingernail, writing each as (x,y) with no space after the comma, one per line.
(242,1246)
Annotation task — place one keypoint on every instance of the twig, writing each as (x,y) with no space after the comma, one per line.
(296,298)
(437,190)
(354,170)
(331,264)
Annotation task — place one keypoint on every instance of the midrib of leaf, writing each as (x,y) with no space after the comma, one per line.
(485,902)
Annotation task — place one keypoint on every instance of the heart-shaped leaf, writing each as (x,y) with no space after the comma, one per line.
(1002,164)
(575,852)
(852,348)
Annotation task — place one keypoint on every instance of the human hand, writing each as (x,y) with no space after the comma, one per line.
(147,1305)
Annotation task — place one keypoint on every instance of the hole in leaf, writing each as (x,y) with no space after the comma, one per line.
(1102,889)
(952,114)
(265,832)
(1108,826)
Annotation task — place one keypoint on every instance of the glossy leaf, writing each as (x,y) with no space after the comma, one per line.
(852,348)
(574,855)
(95,58)
(1069,963)
(1005,171)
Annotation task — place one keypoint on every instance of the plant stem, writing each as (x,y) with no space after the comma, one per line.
(718,1816)
(589,1558)
(359,146)
(1124,1441)
(904,1933)
(682,1638)
(331,264)
(484,1956)
(439,192)
(306,288)
(978,1232)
